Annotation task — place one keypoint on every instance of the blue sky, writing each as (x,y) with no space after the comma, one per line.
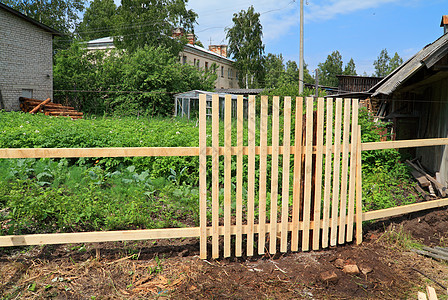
(358,29)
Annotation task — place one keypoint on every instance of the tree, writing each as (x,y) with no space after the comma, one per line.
(350,68)
(384,65)
(98,20)
(395,62)
(246,46)
(142,81)
(274,70)
(330,68)
(150,22)
(381,64)
(61,15)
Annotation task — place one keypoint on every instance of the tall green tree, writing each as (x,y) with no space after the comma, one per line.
(330,68)
(150,22)
(350,68)
(61,15)
(381,64)
(98,20)
(384,64)
(395,62)
(274,70)
(246,46)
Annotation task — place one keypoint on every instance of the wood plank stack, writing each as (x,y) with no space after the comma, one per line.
(48,108)
(434,185)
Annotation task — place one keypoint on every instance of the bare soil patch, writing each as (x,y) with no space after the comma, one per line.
(171,269)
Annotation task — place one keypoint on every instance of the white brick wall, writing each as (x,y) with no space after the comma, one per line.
(25,60)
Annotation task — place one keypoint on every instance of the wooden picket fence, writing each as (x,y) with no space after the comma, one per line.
(323,208)
(323,166)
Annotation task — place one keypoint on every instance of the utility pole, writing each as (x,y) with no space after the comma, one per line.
(301,50)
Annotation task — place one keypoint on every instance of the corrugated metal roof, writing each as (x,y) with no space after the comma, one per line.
(424,57)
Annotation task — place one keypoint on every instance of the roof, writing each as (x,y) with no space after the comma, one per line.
(240,91)
(108,43)
(208,52)
(196,93)
(427,57)
(31,20)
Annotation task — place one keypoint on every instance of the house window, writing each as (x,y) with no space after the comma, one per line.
(197,64)
(206,65)
(184,60)
(222,71)
(27,93)
(236,75)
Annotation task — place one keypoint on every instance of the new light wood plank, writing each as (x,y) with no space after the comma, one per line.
(336,174)
(406,209)
(328,171)
(128,235)
(359,214)
(263,170)
(308,174)
(353,163)
(421,296)
(251,176)
(432,295)
(203,175)
(404,144)
(298,150)
(227,173)
(344,173)
(285,177)
(215,175)
(274,175)
(239,179)
(318,176)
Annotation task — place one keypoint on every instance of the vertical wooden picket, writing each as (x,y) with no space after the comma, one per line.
(344,174)
(297,192)
(318,174)
(308,174)
(202,175)
(274,175)
(358,190)
(286,169)
(215,176)
(263,173)
(328,169)
(251,176)
(239,179)
(353,162)
(336,170)
(227,172)
(335,196)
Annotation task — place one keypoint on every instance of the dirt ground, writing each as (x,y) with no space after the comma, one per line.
(171,269)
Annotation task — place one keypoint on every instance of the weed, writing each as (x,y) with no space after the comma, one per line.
(398,238)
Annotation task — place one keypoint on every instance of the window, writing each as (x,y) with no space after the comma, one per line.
(197,64)
(222,71)
(184,60)
(27,93)
(206,65)
(236,75)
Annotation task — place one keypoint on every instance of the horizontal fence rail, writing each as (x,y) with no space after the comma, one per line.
(323,223)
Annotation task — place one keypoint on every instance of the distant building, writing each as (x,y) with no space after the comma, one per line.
(194,55)
(26,58)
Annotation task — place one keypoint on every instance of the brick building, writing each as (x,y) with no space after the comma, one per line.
(26,52)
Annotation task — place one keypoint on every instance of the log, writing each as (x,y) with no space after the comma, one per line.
(65,113)
(430,254)
(36,109)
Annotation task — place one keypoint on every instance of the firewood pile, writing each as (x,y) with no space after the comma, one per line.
(430,187)
(48,108)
